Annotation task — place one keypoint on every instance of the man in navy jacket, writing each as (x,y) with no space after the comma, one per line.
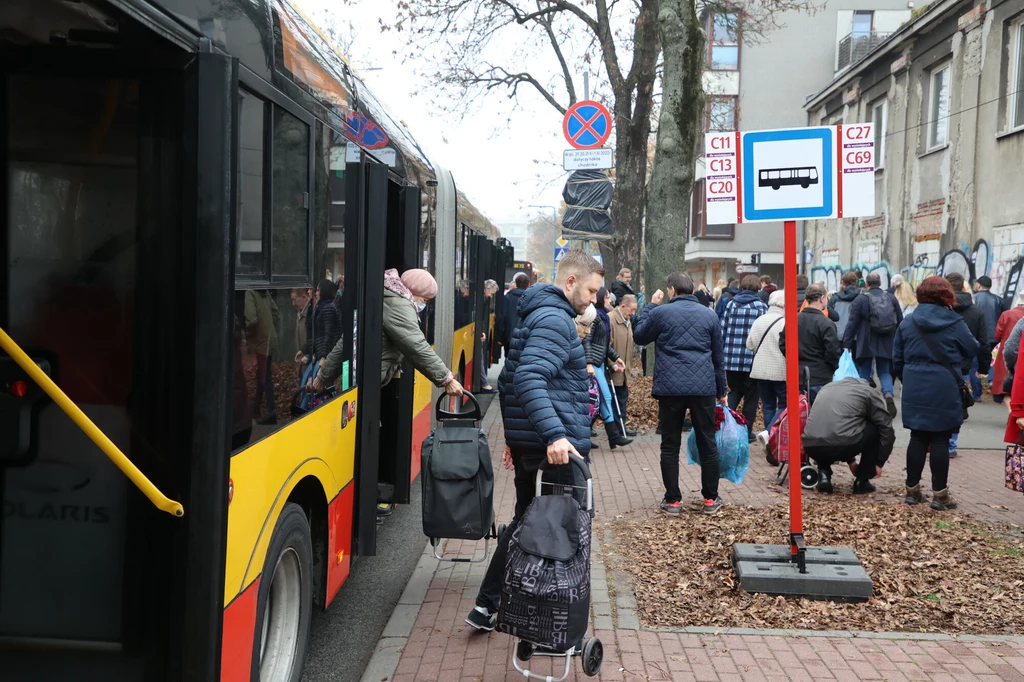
(545,401)
(689,374)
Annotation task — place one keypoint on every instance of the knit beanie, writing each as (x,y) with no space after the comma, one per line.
(420,283)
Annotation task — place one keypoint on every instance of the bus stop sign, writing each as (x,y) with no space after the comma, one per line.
(790,174)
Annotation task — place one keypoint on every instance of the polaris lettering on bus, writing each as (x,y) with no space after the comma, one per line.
(56,512)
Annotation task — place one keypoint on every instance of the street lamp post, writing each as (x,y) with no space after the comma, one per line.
(554,235)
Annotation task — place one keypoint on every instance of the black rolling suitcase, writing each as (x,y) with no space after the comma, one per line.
(545,600)
(457,479)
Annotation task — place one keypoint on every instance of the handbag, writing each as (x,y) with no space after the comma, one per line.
(966,399)
(1015,466)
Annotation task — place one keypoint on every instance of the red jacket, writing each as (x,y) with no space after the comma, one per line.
(1006,323)
(1016,402)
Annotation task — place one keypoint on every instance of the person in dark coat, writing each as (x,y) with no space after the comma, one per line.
(689,374)
(601,357)
(931,393)
(622,286)
(727,294)
(510,310)
(545,404)
(323,327)
(991,307)
(820,348)
(973,369)
(801,289)
(767,288)
(842,301)
(869,332)
(703,296)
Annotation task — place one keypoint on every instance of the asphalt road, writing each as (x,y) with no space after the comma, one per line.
(343,638)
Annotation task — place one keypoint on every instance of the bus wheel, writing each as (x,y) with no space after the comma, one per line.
(285,601)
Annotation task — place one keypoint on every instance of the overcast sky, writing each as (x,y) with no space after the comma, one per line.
(497,169)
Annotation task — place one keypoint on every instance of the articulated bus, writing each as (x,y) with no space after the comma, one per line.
(175,174)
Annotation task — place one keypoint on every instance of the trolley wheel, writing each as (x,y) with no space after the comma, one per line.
(593,656)
(524,650)
(285,600)
(808,477)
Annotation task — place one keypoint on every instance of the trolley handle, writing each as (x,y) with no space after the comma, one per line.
(578,462)
(476,414)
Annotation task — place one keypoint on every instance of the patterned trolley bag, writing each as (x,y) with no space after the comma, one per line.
(545,598)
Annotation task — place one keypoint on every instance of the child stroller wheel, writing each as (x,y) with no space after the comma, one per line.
(808,477)
(593,656)
(524,650)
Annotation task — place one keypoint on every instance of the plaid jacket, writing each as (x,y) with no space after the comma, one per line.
(740,313)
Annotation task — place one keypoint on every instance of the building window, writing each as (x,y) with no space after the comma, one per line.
(862,23)
(721,113)
(697,209)
(938,124)
(878,115)
(1017,84)
(724,46)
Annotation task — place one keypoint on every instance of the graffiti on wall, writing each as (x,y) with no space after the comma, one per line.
(832,275)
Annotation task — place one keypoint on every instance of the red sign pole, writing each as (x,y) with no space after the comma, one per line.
(796,515)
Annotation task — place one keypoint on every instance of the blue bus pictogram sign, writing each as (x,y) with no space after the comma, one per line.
(587,124)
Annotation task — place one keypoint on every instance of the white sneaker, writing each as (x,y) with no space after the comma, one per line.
(762,438)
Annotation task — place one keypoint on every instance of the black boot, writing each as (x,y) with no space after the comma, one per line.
(615,435)
(824,480)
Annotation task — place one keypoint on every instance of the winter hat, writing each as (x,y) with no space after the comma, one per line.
(420,283)
(777,299)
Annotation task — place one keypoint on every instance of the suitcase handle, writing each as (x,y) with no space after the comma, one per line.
(442,415)
(584,469)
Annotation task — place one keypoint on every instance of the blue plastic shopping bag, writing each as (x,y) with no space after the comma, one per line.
(733,446)
(847,368)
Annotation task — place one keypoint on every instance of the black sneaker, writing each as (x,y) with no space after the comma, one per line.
(890,403)
(385,508)
(863,487)
(630,433)
(824,484)
(712,506)
(484,622)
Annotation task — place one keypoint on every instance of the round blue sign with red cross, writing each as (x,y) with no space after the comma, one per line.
(587,124)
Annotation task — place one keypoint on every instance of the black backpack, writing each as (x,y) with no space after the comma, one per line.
(881,312)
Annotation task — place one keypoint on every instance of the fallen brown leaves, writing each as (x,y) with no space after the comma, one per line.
(642,411)
(932,572)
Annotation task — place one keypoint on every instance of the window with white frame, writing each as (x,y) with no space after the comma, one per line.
(1017,84)
(878,116)
(723,43)
(938,109)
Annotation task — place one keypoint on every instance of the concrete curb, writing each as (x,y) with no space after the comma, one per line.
(396,633)
(845,634)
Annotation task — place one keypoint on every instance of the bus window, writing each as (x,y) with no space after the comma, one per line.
(251,136)
(290,227)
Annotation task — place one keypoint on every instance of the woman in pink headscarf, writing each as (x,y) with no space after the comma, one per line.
(404,298)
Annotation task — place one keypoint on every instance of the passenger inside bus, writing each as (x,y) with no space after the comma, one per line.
(404,298)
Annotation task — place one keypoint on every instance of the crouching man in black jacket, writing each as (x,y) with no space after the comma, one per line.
(849,418)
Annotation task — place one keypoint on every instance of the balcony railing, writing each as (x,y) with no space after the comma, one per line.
(856,46)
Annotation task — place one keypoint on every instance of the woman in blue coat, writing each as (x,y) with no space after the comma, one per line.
(931,393)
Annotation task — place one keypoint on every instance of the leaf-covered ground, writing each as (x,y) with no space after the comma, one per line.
(932,572)
(642,411)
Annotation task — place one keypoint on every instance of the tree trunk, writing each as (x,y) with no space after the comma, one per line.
(679,125)
(633,101)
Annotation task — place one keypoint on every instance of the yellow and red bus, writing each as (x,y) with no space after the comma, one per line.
(177,175)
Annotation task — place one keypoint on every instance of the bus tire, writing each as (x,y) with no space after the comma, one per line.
(285,603)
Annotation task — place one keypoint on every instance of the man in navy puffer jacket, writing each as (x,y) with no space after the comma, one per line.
(689,374)
(545,403)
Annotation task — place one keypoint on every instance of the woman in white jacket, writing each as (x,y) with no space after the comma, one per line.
(769,368)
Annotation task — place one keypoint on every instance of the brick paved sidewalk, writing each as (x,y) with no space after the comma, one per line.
(426,638)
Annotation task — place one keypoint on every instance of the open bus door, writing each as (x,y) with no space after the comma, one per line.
(116,253)
(401,252)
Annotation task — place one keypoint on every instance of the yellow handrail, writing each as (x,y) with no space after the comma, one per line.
(159,500)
